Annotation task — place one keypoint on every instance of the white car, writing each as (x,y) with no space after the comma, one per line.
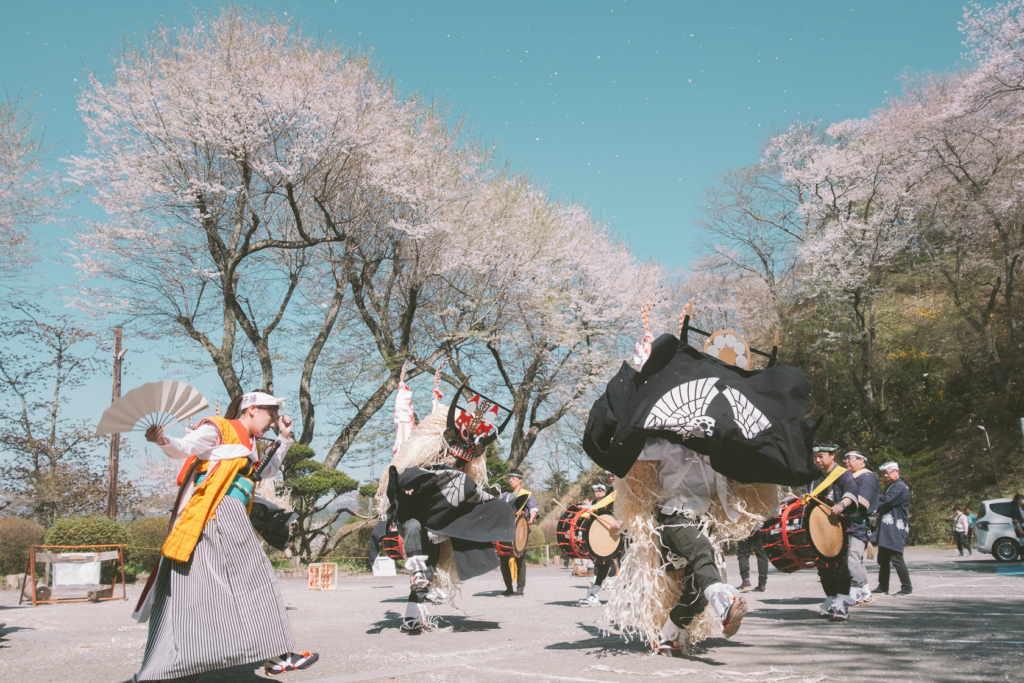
(994,530)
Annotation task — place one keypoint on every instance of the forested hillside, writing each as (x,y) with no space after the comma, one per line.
(888,252)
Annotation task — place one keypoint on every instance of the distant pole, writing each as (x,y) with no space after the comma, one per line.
(991,458)
(115,438)
(1022,427)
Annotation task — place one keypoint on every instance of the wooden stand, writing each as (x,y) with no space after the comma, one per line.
(39,596)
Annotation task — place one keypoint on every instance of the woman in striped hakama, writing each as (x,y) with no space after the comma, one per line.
(213,601)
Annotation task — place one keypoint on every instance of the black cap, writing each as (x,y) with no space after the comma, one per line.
(515,472)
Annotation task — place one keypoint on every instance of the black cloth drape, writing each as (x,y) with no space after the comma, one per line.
(750,423)
(448,503)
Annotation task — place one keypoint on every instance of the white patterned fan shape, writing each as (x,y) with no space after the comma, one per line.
(677,409)
(750,420)
(158,403)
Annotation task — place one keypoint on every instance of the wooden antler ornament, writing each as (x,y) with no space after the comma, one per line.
(684,319)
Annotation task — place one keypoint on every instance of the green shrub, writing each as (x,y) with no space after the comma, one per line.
(148,532)
(16,536)
(91,530)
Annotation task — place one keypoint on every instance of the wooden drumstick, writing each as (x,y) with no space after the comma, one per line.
(824,505)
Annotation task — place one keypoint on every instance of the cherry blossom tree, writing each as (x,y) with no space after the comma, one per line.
(969,220)
(557,294)
(859,182)
(29,193)
(248,172)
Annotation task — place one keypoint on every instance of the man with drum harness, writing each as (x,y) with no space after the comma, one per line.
(513,567)
(839,488)
(602,505)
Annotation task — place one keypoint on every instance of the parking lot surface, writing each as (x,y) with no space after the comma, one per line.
(963,623)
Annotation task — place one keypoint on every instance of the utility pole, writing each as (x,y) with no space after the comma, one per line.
(115,438)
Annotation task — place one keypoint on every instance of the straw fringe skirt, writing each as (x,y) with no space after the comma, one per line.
(223,608)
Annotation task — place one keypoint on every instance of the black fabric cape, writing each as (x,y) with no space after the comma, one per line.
(446,502)
(760,434)
(271,522)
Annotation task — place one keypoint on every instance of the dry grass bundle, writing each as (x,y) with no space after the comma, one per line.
(644,591)
(647,589)
(425,447)
(754,502)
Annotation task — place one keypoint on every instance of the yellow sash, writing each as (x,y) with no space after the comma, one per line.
(828,481)
(202,506)
(607,500)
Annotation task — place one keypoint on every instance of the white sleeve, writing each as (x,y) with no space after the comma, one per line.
(199,442)
(274,466)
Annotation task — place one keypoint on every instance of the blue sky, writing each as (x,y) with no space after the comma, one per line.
(630,107)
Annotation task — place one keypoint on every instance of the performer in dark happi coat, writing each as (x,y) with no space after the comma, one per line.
(893,530)
(841,490)
(867,504)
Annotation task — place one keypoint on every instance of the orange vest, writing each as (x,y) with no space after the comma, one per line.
(202,506)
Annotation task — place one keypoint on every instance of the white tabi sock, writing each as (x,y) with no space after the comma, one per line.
(416,563)
(842,603)
(669,632)
(826,606)
(721,596)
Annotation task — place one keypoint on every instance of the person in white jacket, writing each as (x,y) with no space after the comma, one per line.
(962,528)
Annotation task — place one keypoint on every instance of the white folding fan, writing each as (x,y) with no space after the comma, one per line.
(157,403)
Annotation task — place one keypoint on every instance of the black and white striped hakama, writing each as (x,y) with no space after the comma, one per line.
(222,608)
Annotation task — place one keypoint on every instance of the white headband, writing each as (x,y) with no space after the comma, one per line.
(260,398)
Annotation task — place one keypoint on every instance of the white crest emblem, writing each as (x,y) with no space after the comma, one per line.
(751,421)
(684,410)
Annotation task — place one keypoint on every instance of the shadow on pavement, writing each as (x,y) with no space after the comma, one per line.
(467,625)
(786,614)
(488,594)
(987,566)
(390,620)
(6,630)
(562,603)
(602,645)
(245,673)
(792,601)
(921,638)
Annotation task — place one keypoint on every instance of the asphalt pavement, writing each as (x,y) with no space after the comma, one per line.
(963,623)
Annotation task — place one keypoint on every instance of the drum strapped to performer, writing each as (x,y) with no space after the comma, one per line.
(518,547)
(588,536)
(805,535)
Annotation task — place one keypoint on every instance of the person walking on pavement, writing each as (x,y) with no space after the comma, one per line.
(746,546)
(867,504)
(893,530)
(971,519)
(961,527)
